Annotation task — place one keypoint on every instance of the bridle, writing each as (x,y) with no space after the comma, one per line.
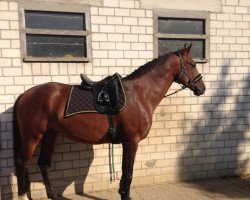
(184,72)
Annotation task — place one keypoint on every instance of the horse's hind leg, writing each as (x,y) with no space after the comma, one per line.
(21,161)
(44,161)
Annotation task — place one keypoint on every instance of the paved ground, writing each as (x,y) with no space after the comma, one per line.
(213,189)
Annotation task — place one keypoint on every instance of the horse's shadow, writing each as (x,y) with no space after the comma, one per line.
(70,166)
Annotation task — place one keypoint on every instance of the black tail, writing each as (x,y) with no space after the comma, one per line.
(21,173)
(16,131)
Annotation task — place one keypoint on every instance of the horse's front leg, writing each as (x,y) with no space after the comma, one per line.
(128,157)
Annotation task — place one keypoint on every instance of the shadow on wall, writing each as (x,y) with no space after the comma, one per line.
(69,168)
(219,138)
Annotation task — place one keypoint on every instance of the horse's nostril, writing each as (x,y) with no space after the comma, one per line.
(199,91)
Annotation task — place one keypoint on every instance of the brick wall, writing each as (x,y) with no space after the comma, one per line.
(191,137)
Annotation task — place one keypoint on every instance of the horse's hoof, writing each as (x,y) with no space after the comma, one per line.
(23,197)
(125,197)
(55,197)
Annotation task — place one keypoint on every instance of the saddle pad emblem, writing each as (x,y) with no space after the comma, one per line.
(82,101)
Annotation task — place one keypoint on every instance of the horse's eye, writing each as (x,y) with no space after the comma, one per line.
(193,64)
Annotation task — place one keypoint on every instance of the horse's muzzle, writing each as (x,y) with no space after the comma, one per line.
(198,91)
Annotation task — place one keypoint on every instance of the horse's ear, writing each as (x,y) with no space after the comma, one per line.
(187,49)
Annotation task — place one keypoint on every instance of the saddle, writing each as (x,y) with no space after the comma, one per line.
(106,99)
(105,93)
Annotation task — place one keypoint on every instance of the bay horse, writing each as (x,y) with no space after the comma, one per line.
(38,116)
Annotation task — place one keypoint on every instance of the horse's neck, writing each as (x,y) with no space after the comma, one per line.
(157,85)
(153,85)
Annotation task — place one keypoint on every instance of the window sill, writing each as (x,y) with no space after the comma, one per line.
(205,60)
(47,59)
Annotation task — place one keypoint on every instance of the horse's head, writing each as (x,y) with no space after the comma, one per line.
(188,74)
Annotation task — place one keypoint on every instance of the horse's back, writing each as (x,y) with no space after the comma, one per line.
(46,94)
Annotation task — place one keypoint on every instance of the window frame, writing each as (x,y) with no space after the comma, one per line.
(54,8)
(175,14)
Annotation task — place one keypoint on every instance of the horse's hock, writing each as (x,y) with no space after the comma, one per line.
(190,138)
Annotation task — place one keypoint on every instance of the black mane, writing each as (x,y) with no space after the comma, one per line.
(150,65)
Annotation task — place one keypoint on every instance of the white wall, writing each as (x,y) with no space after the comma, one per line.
(191,137)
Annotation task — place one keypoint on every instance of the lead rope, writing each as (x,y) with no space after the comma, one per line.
(182,88)
(113,173)
(110,164)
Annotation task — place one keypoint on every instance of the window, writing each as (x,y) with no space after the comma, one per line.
(55,33)
(174,29)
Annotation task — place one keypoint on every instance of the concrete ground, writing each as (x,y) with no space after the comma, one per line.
(211,189)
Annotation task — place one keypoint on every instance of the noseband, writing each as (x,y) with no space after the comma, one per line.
(183,71)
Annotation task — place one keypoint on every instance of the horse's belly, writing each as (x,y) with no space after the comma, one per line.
(85,128)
